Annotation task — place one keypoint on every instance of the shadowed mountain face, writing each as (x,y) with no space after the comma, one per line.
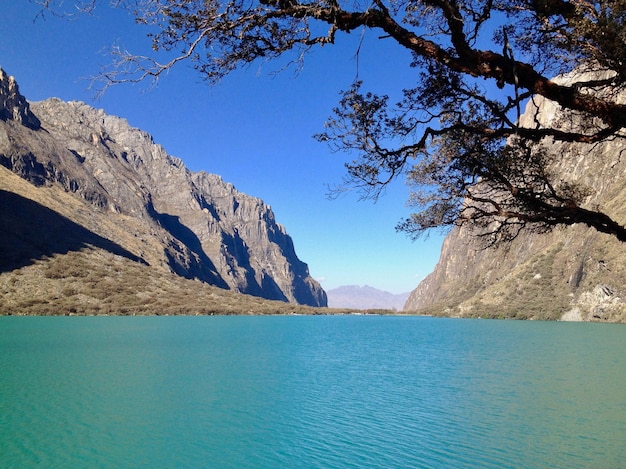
(30,231)
(133,199)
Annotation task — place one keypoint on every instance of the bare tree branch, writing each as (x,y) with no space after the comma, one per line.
(463,144)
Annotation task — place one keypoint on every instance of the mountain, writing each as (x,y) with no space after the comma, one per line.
(93,182)
(571,273)
(366,297)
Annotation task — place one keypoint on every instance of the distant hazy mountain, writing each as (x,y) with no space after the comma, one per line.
(76,179)
(366,297)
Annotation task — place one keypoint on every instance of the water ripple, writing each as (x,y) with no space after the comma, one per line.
(325,392)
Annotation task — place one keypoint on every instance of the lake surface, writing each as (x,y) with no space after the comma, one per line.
(310,392)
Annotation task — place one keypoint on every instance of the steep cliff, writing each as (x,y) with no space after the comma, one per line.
(164,215)
(571,273)
(13,106)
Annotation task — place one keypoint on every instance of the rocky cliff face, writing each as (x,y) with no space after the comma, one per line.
(571,273)
(194,224)
(13,106)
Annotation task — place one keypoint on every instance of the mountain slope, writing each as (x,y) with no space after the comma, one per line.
(571,273)
(125,194)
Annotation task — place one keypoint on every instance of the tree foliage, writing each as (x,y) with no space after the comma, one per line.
(456,134)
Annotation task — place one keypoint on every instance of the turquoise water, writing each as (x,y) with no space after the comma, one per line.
(310,392)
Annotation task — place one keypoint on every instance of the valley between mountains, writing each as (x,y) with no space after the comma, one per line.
(98,219)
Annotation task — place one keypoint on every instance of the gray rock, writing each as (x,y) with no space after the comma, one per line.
(573,273)
(204,227)
(13,105)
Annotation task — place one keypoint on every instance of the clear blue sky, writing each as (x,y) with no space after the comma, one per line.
(254,129)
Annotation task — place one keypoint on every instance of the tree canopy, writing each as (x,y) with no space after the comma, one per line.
(456,134)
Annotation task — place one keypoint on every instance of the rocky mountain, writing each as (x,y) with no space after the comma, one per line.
(571,273)
(123,193)
(365,297)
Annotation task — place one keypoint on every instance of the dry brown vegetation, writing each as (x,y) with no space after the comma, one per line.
(544,288)
(95,282)
(46,271)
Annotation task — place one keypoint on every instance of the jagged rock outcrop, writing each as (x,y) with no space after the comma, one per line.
(194,224)
(571,273)
(13,105)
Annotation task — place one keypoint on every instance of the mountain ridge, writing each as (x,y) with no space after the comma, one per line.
(191,223)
